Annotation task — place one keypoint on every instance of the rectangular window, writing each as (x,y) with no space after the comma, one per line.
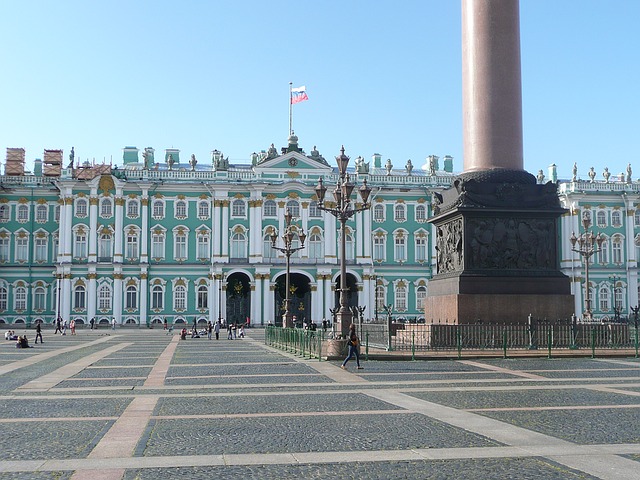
(81,245)
(181,246)
(79,299)
(421,250)
(378,249)
(132,209)
(22,249)
(401,299)
(21,298)
(41,250)
(157,246)
(131,301)
(4,249)
(41,213)
(39,299)
(617,252)
(132,246)
(203,247)
(400,249)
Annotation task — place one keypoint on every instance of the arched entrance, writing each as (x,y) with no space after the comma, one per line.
(300,295)
(352,293)
(238,298)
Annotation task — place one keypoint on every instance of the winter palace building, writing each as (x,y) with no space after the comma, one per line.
(161,237)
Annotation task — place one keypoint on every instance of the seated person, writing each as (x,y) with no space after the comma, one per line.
(183,334)
(24,341)
(7,335)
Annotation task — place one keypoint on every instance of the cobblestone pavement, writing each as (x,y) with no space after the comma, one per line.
(140,404)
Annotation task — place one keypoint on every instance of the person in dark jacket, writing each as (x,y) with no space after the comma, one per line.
(354,345)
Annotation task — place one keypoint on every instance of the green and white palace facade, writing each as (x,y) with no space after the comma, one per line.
(161,237)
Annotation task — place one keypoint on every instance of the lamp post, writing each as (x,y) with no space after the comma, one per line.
(288,236)
(343,210)
(375,279)
(586,245)
(617,309)
(221,277)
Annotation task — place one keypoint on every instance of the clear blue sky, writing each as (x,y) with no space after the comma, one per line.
(382,77)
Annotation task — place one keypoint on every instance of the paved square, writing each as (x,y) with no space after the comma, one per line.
(139,404)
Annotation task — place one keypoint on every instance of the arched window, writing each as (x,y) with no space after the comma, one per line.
(603,254)
(267,250)
(104,297)
(421,295)
(316,246)
(132,208)
(421,213)
(294,207)
(79,297)
(604,299)
(41,213)
(238,245)
(106,207)
(203,209)
(181,209)
(3,298)
(4,248)
(314,211)
(180,298)
(378,248)
(131,298)
(399,213)
(238,208)
(158,209)
(157,297)
(616,218)
(203,297)
(39,298)
(269,208)
(4,212)
(20,298)
(378,213)
(601,218)
(23,213)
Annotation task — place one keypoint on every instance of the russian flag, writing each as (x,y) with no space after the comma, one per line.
(299,95)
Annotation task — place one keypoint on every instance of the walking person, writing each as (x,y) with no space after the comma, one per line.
(229,332)
(113,323)
(58,326)
(64,326)
(166,324)
(92,322)
(72,325)
(38,333)
(209,330)
(354,345)
(216,329)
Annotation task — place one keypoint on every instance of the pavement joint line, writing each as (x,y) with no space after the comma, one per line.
(572,453)
(550,408)
(509,371)
(50,380)
(511,435)
(630,393)
(55,419)
(125,433)
(618,362)
(280,414)
(158,373)
(41,357)
(606,467)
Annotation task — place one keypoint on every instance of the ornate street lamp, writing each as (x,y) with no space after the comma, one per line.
(288,236)
(617,309)
(221,278)
(343,210)
(586,245)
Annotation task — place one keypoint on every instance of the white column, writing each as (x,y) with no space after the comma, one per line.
(328,297)
(68,213)
(366,234)
(267,301)
(212,295)
(366,296)
(144,298)
(93,229)
(62,231)
(330,235)
(216,233)
(224,233)
(65,296)
(117,297)
(358,237)
(256,301)
(118,234)
(144,241)
(92,294)
(317,299)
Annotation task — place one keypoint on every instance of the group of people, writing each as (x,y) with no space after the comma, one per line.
(233,331)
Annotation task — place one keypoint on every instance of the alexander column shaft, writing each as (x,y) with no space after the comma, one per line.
(496,227)
(491,85)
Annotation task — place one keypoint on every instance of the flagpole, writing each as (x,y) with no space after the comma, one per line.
(290,108)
